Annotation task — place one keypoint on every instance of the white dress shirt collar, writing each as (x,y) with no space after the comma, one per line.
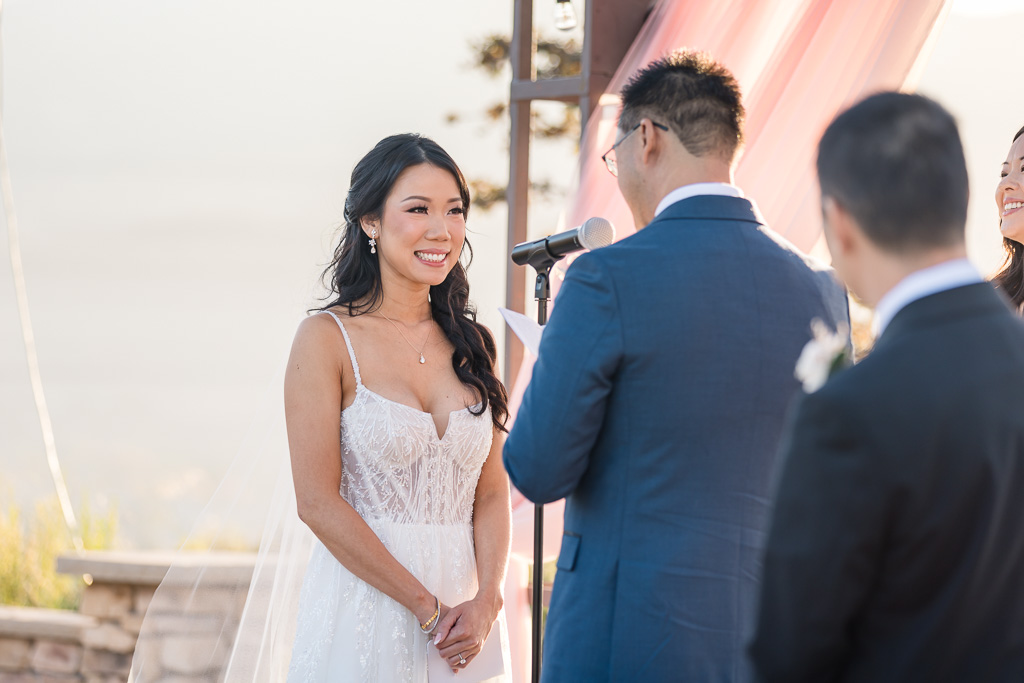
(922,283)
(694,189)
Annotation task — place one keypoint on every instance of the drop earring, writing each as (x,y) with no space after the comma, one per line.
(373,241)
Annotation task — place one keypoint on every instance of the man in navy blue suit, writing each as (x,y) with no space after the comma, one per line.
(658,397)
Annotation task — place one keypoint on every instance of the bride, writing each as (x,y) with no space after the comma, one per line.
(411,555)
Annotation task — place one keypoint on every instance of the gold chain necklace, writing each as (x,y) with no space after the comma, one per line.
(419,350)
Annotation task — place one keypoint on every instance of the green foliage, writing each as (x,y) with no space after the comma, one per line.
(29,550)
(549,571)
(486,194)
(552,59)
(221,540)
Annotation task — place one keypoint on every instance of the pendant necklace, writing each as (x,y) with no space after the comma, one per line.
(419,350)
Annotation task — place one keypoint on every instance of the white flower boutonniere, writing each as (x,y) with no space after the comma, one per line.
(826,353)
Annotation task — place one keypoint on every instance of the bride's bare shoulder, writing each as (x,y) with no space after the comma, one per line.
(320,330)
(319,344)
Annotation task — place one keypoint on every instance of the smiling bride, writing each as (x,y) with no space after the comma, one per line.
(411,555)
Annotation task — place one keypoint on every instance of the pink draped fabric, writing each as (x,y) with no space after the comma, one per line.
(798,62)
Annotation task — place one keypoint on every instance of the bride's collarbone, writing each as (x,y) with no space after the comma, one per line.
(391,369)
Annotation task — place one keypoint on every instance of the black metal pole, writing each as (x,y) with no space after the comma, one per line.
(542,292)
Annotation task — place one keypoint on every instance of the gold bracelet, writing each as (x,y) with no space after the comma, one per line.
(429,624)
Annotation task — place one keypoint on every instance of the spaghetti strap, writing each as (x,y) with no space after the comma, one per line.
(351,352)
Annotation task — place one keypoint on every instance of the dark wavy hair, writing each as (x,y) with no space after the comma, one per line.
(353,276)
(1011,278)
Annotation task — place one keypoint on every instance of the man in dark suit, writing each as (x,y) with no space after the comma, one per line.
(658,397)
(896,551)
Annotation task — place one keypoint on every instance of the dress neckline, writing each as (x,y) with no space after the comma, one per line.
(360,387)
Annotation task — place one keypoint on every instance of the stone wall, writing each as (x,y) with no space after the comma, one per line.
(42,645)
(95,644)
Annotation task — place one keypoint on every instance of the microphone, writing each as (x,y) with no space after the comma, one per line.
(594,233)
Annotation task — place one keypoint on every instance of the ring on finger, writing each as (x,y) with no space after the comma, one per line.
(462,659)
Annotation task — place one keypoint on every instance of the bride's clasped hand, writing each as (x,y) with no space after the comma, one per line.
(465,627)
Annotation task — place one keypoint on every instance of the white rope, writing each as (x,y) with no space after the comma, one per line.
(17,270)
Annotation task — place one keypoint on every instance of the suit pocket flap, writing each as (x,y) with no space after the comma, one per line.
(567,555)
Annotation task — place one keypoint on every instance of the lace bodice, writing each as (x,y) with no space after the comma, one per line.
(396,468)
(416,490)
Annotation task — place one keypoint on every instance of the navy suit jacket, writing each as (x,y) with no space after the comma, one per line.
(656,406)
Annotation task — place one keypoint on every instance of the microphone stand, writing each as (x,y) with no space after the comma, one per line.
(542,255)
(542,293)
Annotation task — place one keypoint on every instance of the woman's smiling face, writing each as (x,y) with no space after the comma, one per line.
(1010,193)
(422,227)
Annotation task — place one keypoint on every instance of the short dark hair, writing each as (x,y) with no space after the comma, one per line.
(695,96)
(894,161)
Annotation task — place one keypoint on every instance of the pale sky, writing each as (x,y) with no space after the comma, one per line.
(965,73)
(179,171)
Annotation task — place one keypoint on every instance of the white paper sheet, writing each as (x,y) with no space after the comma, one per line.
(528,331)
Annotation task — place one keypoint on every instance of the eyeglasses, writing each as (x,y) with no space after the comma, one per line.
(609,157)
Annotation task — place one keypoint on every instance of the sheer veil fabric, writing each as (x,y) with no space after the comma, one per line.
(798,62)
(225,617)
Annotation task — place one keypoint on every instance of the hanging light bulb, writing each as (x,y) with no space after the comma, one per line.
(565,15)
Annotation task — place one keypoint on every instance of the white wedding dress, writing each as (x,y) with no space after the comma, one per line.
(415,489)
